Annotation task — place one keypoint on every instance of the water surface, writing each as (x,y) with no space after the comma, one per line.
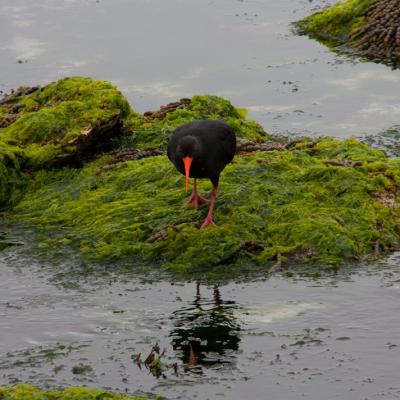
(157,51)
(283,336)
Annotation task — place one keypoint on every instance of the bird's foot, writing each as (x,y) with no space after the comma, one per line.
(195,200)
(208,221)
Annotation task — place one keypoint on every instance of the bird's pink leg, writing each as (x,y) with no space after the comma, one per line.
(209,219)
(195,199)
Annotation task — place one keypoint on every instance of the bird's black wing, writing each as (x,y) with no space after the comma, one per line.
(227,140)
(221,143)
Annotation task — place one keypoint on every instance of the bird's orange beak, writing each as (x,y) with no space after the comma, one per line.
(187,161)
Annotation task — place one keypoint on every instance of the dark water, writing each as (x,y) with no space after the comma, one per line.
(157,51)
(273,337)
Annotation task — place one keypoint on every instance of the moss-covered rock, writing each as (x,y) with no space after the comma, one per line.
(334,24)
(153,129)
(324,202)
(27,392)
(55,125)
(368,28)
(10,172)
(61,120)
(321,200)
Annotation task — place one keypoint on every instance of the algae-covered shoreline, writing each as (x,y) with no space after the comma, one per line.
(87,172)
(25,392)
(366,28)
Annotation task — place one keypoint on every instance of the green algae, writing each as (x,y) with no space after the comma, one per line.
(11,177)
(27,392)
(334,25)
(322,201)
(290,202)
(49,119)
(148,133)
(39,124)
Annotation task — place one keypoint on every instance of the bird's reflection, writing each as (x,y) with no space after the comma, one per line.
(206,331)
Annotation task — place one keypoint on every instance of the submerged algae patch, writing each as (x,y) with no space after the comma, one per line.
(25,392)
(298,203)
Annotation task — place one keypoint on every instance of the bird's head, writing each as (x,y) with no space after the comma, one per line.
(188,149)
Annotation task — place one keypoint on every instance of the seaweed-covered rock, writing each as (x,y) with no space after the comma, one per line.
(325,201)
(27,392)
(368,28)
(153,128)
(10,172)
(321,200)
(62,121)
(59,124)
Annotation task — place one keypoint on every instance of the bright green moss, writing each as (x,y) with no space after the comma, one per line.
(150,134)
(292,201)
(10,172)
(326,201)
(334,25)
(35,127)
(349,149)
(50,117)
(27,392)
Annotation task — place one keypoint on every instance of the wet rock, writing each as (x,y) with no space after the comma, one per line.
(13,97)
(90,141)
(164,110)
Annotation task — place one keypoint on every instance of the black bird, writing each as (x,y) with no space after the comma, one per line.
(201,149)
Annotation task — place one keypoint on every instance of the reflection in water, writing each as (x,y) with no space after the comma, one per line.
(206,332)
